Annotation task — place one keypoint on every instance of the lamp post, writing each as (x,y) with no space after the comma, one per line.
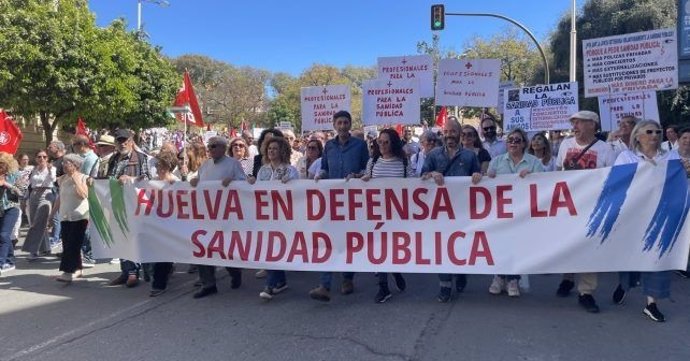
(543,55)
(573,42)
(161,3)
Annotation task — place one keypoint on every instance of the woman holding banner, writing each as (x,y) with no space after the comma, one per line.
(310,164)
(388,160)
(515,161)
(276,167)
(645,147)
(240,151)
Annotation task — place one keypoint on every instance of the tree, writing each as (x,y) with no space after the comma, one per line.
(600,18)
(55,63)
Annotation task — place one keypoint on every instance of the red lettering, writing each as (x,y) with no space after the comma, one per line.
(195,206)
(371,244)
(201,250)
(216,245)
(314,194)
(316,258)
(373,204)
(232,205)
(567,202)
(475,192)
(239,247)
(212,208)
(355,243)
(401,248)
(285,205)
(533,200)
(438,241)
(502,201)
(419,248)
(182,204)
(451,248)
(401,207)
(416,198)
(354,201)
(146,201)
(335,204)
(299,248)
(257,249)
(442,204)
(171,206)
(480,248)
(260,204)
(274,236)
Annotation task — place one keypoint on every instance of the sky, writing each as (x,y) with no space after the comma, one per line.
(289,36)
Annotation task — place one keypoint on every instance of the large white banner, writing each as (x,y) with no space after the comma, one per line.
(468,82)
(420,67)
(614,107)
(540,107)
(628,63)
(319,103)
(387,102)
(624,218)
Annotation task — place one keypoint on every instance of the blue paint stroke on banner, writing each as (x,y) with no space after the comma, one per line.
(671,211)
(611,200)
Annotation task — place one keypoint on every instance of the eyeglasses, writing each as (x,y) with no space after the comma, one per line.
(238,145)
(513,140)
(651,131)
(41,156)
(489,129)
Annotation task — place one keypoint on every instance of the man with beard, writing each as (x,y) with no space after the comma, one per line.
(491,142)
(127,165)
(451,160)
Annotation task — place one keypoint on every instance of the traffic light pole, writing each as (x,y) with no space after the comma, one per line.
(543,55)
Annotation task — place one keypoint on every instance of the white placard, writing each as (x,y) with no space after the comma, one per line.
(420,67)
(388,102)
(319,103)
(505,85)
(540,107)
(208,135)
(640,105)
(628,63)
(468,82)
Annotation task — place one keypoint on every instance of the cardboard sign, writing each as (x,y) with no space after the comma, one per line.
(505,85)
(468,82)
(420,67)
(540,107)
(628,63)
(388,102)
(613,108)
(319,103)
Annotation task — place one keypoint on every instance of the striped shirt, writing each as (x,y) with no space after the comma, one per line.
(392,167)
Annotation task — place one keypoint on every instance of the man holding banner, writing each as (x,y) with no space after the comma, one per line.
(346,157)
(583,151)
(451,160)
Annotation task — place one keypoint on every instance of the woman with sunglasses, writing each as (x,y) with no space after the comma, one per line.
(310,164)
(540,148)
(645,147)
(240,151)
(470,141)
(389,160)
(515,161)
(40,205)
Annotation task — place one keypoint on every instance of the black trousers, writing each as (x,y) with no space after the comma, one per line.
(72,234)
(161,273)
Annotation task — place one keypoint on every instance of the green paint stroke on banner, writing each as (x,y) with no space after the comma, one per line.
(98,217)
(118,203)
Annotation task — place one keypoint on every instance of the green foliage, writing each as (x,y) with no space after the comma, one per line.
(57,64)
(600,18)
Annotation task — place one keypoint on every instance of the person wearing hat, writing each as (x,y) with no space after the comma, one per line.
(127,165)
(105,148)
(583,151)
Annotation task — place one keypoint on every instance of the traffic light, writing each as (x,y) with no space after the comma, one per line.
(438,14)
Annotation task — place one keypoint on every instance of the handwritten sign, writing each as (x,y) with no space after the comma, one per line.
(468,82)
(319,103)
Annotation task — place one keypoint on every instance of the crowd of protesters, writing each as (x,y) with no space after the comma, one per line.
(52,193)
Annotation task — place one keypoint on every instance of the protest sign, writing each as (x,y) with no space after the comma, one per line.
(468,82)
(628,63)
(420,67)
(319,103)
(504,225)
(614,107)
(540,107)
(388,102)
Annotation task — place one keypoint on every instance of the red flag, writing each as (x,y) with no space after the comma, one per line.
(399,129)
(244,126)
(10,134)
(187,97)
(233,133)
(81,130)
(441,117)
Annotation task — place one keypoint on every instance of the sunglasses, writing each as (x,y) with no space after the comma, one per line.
(513,140)
(489,129)
(237,145)
(650,131)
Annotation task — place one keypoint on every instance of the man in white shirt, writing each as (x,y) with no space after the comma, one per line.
(583,151)
(226,169)
(491,143)
(625,127)
(672,138)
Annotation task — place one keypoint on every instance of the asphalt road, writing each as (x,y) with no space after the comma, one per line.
(41,319)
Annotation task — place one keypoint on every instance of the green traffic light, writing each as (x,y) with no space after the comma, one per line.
(437,23)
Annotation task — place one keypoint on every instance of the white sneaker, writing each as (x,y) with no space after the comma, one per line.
(115,261)
(64,277)
(261,273)
(497,285)
(513,288)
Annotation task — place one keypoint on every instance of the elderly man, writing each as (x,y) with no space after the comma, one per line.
(491,142)
(127,165)
(671,138)
(219,167)
(105,148)
(343,157)
(451,160)
(296,155)
(583,151)
(625,127)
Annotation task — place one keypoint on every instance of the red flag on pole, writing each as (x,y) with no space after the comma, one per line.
(399,129)
(244,126)
(233,133)
(441,117)
(81,130)
(10,135)
(187,97)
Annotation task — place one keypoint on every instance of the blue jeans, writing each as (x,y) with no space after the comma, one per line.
(275,278)
(57,227)
(7,222)
(654,284)
(327,277)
